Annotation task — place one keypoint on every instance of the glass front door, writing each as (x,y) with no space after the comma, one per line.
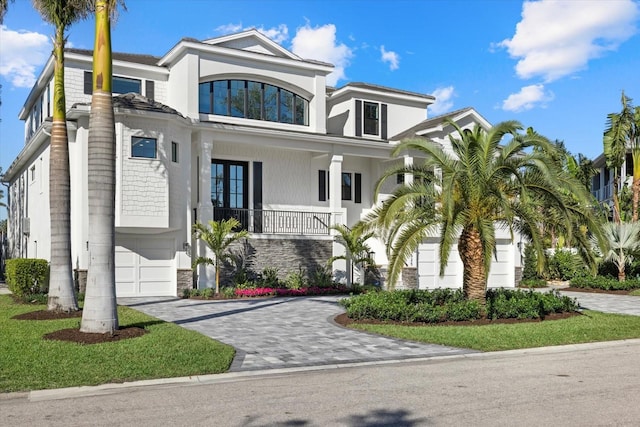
(230,190)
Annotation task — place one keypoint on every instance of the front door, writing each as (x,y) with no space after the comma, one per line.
(230,190)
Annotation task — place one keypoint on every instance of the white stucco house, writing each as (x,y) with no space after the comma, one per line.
(231,126)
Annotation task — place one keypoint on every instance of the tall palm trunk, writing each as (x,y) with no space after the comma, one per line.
(474,281)
(616,199)
(636,197)
(61,290)
(100,313)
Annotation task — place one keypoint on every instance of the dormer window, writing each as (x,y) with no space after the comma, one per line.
(253,100)
(371,119)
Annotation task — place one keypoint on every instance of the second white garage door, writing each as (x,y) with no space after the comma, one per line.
(145,267)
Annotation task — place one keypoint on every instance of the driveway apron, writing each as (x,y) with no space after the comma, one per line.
(283,332)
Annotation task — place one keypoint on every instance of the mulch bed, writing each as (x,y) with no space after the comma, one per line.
(344,320)
(74,334)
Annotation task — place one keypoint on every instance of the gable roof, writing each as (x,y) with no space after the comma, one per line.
(249,43)
(252,40)
(437,123)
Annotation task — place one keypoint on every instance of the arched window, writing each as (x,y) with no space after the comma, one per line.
(253,100)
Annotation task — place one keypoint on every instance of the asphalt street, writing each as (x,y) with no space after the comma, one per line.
(579,385)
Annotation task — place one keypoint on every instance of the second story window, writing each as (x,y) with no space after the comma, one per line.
(121,85)
(126,85)
(371,119)
(253,100)
(143,147)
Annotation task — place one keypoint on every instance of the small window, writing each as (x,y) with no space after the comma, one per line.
(119,85)
(346,186)
(125,85)
(33,173)
(174,152)
(400,178)
(143,147)
(371,116)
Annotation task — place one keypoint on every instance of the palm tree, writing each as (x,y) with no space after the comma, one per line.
(61,289)
(582,168)
(480,186)
(623,240)
(623,130)
(218,237)
(100,313)
(357,251)
(3,9)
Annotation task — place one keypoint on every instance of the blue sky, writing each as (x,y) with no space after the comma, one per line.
(556,65)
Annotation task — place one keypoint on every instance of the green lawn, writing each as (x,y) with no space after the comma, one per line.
(592,326)
(28,362)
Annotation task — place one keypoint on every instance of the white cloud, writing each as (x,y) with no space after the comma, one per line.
(444,100)
(21,54)
(391,57)
(278,34)
(527,98)
(320,43)
(229,28)
(556,38)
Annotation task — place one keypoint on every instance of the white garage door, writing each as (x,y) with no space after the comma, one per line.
(501,273)
(145,267)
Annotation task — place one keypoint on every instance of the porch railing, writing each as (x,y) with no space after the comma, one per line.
(262,221)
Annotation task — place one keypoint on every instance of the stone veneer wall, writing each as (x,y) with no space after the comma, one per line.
(285,255)
(184,279)
(518,276)
(80,279)
(410,278)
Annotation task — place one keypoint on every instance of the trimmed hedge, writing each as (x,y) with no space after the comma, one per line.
(27,276)
(441,305)
(605,283)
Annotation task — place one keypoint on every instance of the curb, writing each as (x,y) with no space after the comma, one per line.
(106,389)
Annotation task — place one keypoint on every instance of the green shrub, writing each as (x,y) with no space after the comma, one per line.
(509,304)
(228,292)
(27,276)
(37,298)
(321,277)
(533,283)
(563,265)
(269,278)
(530,268)
(605,283)
(207,292)
(296,279)
(441,305)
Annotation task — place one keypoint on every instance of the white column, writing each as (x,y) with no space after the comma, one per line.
(408,162)
(206,274)
(335,189)
(340,267)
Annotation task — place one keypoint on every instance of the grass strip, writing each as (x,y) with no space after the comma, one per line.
(592,326)
(28,362)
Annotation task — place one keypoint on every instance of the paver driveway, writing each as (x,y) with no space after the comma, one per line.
(283,332)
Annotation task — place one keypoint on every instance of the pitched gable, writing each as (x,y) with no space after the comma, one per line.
(252,41)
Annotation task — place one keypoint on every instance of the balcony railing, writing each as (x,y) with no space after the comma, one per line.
(603,194)
(262,221)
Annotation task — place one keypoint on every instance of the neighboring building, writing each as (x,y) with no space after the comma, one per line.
(232,126)
(602,181)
